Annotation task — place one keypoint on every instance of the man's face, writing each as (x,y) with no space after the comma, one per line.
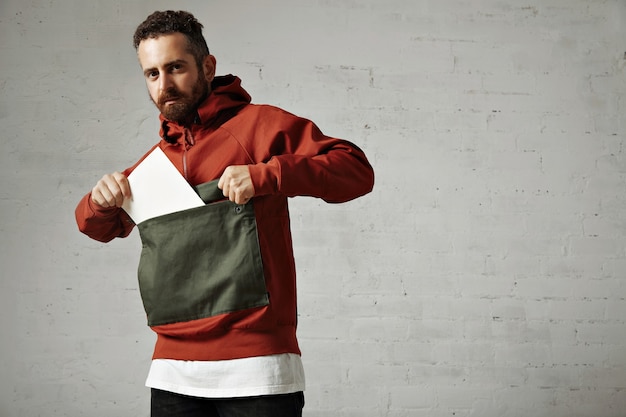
(175,83)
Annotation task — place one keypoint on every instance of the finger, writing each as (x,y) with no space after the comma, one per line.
(225,183)
(242,196)
(226,190)
(233,193)
(123,184)
(112,191)
(102,195)
(98,198)
(107,192)
(242,200)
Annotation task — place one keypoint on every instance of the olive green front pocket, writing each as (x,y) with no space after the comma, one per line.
(201,262)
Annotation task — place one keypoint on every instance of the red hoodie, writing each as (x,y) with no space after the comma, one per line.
(287,156)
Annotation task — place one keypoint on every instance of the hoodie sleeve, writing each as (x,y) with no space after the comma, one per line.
(102,224)
(305,162)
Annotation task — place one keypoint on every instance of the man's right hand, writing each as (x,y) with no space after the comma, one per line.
(111,190)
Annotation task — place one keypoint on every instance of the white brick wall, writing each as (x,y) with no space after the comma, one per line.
(484,276)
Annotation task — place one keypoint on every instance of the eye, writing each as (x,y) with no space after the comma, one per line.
(152,74)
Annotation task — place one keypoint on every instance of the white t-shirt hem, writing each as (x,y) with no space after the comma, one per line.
(247,377)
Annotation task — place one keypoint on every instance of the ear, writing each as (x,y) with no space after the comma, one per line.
(209,68)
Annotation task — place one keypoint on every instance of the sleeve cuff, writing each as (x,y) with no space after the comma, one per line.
(265,177)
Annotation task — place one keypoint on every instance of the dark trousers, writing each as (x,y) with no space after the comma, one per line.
(168,404)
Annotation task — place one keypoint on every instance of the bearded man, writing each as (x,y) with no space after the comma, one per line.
(219,286)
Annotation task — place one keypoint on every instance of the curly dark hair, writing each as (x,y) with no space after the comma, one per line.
(169,21)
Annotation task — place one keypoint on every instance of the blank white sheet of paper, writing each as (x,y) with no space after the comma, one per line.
(157,189)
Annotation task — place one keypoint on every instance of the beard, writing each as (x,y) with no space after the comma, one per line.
(186,105)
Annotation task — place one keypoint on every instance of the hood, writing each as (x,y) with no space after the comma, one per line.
(226,98)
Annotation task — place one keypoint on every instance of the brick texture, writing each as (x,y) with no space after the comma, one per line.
(484,276)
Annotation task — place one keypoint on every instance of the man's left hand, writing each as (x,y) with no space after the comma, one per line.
(236,184)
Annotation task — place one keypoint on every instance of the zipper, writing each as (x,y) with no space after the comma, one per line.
(185,163)
(189,142)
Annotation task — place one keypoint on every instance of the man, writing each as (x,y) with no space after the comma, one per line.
(242,359)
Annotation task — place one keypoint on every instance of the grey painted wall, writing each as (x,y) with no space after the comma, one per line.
(484,276)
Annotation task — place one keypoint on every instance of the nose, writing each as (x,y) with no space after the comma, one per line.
(165,82)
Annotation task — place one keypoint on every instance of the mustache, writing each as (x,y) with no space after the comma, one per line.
(171,94)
